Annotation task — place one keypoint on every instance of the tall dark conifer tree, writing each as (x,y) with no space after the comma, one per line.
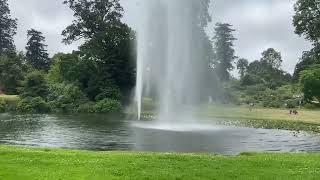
(8,28)
(223,50)
(37,55)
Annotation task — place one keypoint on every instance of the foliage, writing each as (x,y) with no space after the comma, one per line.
(8,28)
(36,54)
(12,70)
(267,71)
(310,83)
(2,106)
(110,93)
(224,54)
(34,85)
(251,79)
(309,59)
(307,23)
(107,47)
(87,107)
(108,106)
(272,57)
(66,98)
(307,19)
(242,66)
(33,105)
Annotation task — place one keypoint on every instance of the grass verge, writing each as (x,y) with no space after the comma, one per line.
(22,163)
(9,98)
(306,120)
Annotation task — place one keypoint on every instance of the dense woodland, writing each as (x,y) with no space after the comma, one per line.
(99,77)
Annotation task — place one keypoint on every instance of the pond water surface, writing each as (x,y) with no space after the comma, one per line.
(97,132)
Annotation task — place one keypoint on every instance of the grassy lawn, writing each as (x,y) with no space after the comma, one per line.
(240,112)
(307,120)
(20,163)
(9,98)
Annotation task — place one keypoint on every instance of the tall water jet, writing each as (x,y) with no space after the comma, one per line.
(173,55)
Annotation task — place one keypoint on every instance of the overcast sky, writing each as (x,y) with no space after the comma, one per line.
(260,24)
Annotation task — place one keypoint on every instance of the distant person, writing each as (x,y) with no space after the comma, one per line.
(293,111)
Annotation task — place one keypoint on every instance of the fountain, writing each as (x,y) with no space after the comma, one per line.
(173,60)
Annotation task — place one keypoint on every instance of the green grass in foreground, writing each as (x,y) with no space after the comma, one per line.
(20,163)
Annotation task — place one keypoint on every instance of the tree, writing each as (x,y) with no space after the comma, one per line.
(267,71)
(34,85)
(242,66)
(307,19)
(223,50)
(309,59)
(107,45)
(37,55)
(8,28)
(307,23)
(272,57)
(310,83)
(12,70)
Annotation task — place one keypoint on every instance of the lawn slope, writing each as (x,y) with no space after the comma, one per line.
(21,163)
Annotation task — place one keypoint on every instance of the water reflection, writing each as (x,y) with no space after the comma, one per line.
(98,132)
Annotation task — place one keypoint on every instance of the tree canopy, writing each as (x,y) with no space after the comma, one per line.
(272,57)
(310,83)
(224,54)
(108,43)
(8,28)
(307,19)
(242,66)
(36,54)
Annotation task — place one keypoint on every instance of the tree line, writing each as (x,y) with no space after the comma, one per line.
(100,75)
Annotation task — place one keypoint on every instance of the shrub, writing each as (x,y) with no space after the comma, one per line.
(86,108)
(108,106)
(66,98)
(33,105)
(34,85)
(2,106)
(109,93)
(292,103)
(249,80)
(311,106)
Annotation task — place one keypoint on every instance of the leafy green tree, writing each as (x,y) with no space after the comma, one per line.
(37,55)
(310,83)
(272,57)
(8,28)
(223,50)
(33,105)
(108,106)
(66,97)
(107,43)
(307,19)
(34,85)
(267,71)
(242,66)
(307,23)
(12,70)
(309,59)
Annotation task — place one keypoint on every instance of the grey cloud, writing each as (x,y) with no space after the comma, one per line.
(48,16)
(259,23)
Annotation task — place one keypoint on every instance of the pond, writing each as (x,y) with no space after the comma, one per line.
(98,132)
